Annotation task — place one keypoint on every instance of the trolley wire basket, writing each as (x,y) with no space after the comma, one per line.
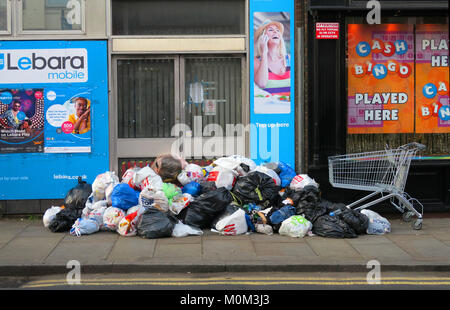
(384,173)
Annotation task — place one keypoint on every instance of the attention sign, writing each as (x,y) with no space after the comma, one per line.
(327,30)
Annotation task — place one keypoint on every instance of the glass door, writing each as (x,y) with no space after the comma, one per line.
(189,105)
(212,105)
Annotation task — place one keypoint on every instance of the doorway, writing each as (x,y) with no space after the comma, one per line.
(191,105)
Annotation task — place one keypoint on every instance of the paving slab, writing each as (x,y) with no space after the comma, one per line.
(84,250)
(132,250)
(184,250)
(292,250)
(25,250)
(228,249)
(422,248)
(331,247)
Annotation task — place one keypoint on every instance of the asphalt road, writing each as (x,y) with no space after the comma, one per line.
(234,281)
(228,290)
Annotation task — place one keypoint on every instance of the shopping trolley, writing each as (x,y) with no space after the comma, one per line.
(384,173)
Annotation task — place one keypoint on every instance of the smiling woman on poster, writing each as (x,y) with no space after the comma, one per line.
(272,63)
(81,119)
(272,71)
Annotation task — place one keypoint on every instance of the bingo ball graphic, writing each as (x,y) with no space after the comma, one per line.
(67,127)
(389,49)
(363,49)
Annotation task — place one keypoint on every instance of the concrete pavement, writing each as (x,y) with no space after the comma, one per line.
(27,248)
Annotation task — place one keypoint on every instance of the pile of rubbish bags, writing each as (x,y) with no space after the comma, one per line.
(232,196)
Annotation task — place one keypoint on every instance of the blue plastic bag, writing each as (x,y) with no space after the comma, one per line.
(192,188)
(282,214)
(84,227)
(286,174)
(124,197)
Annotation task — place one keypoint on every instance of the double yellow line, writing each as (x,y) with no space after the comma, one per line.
(250,281)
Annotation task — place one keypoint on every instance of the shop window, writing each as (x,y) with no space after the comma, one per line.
(154,93)
(178,17)
(397,84)
(218,82)
(4,16)
(146,98)
(52,15)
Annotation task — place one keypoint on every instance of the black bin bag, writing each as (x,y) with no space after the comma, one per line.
(76,198)
(205,208)
(332,227)
(74,203)
(257,187)
(156,224)
(355,219)
(64,220)
(308,202)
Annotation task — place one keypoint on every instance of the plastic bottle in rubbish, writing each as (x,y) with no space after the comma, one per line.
(334,213)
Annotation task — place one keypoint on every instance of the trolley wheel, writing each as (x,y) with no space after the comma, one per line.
(407,216)
(417,224)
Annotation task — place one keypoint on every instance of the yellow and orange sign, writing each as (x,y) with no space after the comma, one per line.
(398,79)
(380,78)
(432,76)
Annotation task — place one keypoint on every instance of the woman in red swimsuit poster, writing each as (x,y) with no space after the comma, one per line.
(272,71)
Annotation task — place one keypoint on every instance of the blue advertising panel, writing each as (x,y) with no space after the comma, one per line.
(53,116)
(272,104)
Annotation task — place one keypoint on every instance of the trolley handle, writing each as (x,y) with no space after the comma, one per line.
(414,145)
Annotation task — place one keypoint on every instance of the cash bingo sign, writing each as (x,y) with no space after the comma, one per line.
(380,78)
(432,79)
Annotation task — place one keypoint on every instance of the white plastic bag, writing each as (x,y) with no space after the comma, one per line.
(128,177)
(227,162)
(108,193)
(270,173)
(302,180)
(191,173)
(296,226)
(97,214)
(180,202)
(149,197)
(133,209)
(264,229)
(234,224)
(244,160)
(128,225)
(49,215)
(222,177)
(183,230)
(101,182)
(112,218)
(378,225)
(147,177)
(93,206)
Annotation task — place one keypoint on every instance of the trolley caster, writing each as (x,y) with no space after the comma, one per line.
(417,224)
(407,216)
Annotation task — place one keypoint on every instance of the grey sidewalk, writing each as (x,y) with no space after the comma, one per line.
(27,248)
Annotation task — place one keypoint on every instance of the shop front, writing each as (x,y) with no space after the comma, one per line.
(381,85)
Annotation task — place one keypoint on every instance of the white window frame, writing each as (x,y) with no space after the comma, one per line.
(68,32)
(8,19)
